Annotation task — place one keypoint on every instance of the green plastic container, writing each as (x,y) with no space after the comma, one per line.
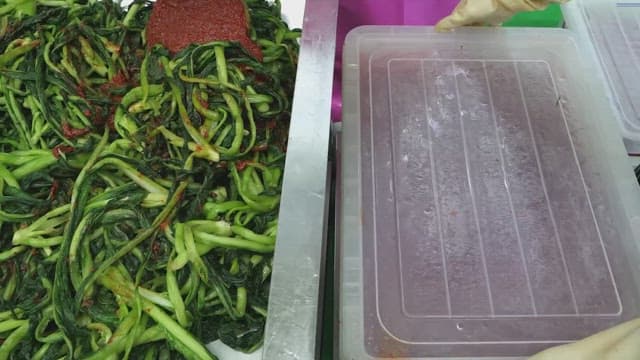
(551,17)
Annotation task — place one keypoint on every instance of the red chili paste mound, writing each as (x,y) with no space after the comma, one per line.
(176,24)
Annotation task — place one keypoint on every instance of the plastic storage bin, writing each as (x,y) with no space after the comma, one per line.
(613,27)
(486,202)
(354,13)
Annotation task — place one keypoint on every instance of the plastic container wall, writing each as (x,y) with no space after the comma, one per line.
(613,29)
(354,13)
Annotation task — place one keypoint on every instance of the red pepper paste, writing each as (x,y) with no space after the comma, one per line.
(176,24)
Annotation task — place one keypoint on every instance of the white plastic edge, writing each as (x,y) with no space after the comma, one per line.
(576,23)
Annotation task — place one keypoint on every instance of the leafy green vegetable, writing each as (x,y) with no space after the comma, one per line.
(139,189)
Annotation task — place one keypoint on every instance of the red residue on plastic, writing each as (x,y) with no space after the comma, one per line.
(176,24)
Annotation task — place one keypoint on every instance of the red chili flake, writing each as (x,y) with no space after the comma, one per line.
(100,120)
(261,78)
(87,303)
(87,113)
(80,91)
(198,148)
(120,79)
(155,249)
(271,124)
(105,88)
(260,148)
(110,122)
(61,149)
(164,225)
(55,186)
(203,102)
(242,164)
(70,132)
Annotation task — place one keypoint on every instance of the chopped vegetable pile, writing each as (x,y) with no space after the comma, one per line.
(139,189)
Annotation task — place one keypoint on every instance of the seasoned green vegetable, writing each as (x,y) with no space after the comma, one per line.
(139,189)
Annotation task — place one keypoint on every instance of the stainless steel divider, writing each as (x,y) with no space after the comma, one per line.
(292,330)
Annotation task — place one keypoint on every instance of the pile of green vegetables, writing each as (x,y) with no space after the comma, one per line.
(139,189)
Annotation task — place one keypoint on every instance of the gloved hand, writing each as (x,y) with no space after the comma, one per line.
(619,343)
(489,12)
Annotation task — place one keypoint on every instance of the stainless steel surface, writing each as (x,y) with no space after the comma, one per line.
(294,304)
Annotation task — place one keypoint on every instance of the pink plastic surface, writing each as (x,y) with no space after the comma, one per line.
(353,13)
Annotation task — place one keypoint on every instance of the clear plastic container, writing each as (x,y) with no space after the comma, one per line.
(354,13)
(486,201)
(613,27)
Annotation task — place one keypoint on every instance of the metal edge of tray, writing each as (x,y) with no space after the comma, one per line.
(295,298)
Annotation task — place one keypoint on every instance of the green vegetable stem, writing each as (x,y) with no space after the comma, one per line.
(139,189)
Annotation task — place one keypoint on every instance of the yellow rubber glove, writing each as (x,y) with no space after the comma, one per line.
(489,12)
(619,343)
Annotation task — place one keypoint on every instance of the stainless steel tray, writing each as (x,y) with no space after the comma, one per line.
(294,304)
